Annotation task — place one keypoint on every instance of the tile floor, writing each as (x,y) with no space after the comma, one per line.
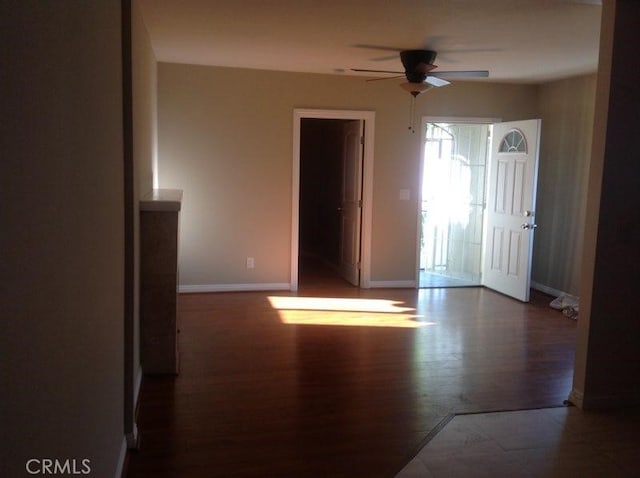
(552,442)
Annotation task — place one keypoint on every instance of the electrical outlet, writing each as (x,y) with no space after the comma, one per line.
(251,263)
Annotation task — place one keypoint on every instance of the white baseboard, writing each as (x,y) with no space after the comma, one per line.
(576,398)
(392,284)
(259,286)
(266,286)
(121,458)
(547,290)
(137,384)
(132,438)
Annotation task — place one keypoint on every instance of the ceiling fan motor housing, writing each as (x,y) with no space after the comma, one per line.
(417,63)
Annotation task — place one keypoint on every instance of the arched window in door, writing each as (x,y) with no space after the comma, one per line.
(513,142)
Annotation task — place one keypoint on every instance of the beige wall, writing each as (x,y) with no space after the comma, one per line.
(61,335)
(607,354)
(145,89)
(566,109)
(144,112)
(144,118)
(225,138)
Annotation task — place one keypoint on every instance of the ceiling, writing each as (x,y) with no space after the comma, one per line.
(516,40)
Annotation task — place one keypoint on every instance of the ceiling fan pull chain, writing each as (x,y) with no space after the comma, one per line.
(412,110)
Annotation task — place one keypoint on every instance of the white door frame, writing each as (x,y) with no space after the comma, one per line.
(423,124)
(367,186)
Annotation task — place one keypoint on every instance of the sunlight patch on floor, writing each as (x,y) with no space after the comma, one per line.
(346,312)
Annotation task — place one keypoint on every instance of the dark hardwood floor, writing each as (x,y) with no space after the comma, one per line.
(302,392)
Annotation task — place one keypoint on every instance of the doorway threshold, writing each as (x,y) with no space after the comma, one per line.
(433,280)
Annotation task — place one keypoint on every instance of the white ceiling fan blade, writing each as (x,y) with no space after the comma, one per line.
(435,81)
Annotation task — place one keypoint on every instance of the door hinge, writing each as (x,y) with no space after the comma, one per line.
(360,203)
(361,139)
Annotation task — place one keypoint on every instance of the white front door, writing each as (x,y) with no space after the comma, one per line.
(510,214)
(351,201)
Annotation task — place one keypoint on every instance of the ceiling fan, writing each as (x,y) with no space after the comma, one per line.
(420,74)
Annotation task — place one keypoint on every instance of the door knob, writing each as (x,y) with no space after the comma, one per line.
(528,226)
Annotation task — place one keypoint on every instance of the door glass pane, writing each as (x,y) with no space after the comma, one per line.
(513,142)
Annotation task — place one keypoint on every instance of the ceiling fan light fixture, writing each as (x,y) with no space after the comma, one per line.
(415,88)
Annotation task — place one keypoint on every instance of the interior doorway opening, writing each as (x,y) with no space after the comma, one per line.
(451,216)
(326,238)
(356,189)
